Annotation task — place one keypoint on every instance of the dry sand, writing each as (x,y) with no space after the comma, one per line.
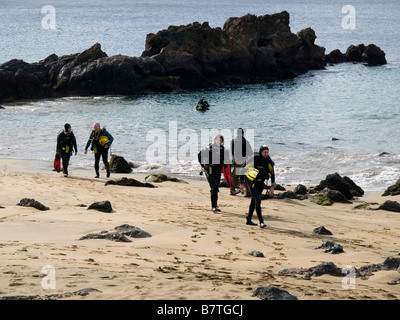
(193,253)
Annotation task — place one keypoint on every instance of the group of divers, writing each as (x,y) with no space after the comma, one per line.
(247,170)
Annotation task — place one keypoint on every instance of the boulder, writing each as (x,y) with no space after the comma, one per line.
(393,190)
(104,206)
(335,56)
(257,254)
(370,55)
(132,231)
(300,189)
(272,293)
(331,247)
(321,200)
(119,165)
(390,206)
(27,202)
(322,230)
(345,185)
(373,56)
(328,197)
(354,53)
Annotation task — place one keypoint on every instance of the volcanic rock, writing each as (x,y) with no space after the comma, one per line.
(27,202)
(272,293)
(104,206)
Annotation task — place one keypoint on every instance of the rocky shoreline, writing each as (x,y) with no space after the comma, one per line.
(248,49)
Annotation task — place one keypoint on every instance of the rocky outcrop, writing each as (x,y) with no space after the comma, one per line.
(344,185)
(369,55)
(247,49)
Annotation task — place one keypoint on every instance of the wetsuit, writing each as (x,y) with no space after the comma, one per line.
(239,155)
(265,167)
(212,159)
(99,149)
(66,144)
(202,104)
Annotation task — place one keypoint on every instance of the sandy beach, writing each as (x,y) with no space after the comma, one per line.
(192,253)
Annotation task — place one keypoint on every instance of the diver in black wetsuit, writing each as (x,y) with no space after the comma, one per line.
(66,144)
(202,104)
(100,140)
(264,167)
(211,160)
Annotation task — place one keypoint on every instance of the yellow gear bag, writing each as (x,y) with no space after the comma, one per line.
(251,173)
(103,140)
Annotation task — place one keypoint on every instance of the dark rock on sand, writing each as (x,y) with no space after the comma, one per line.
(345,185)
(390,206)
(366,206)
(130,183)
(161,178)
(119,234)
(321,200)
(300,189)
(290,195)
(393,190)
(104,206)
(119,165)
(331,269)
(323,268)
(335,195)
(132,231)
(27,202)
(272,293)
(322,231)
(82,292)
(108,235)
(331,247)
(257,254)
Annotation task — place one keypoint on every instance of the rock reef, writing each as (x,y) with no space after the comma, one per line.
(247,49)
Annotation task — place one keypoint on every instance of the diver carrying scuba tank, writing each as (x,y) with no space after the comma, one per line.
(100,140)
(202,105)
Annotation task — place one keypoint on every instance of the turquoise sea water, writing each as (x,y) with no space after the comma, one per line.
(297,119)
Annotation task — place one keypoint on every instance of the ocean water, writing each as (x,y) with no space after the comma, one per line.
(336,120)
